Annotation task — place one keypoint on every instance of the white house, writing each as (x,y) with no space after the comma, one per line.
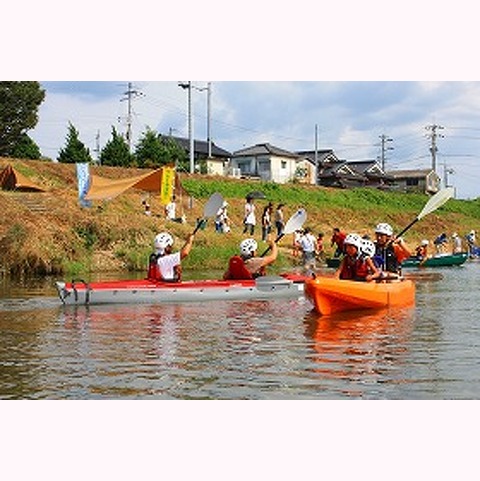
(266,162)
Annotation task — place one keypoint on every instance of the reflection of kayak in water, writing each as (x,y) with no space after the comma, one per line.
(153,292)
(438,260)
(329,295)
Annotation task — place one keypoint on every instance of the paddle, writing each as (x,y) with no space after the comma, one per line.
(433,204)
(210,209)
(294,223)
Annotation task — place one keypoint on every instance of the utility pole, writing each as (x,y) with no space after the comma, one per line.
(384,139)
(446,171)
(209,105)
(433,146)
(188,87)
(97,147)
(129,95)
(316,154)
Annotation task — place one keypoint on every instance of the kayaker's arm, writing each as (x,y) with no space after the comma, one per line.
(270,259)
(187,247)
(402,251)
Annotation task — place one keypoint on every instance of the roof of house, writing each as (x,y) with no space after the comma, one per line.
(322,155)
(264,149)
(411,173)
(201,147)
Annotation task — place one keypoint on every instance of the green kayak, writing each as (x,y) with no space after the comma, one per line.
(438,260)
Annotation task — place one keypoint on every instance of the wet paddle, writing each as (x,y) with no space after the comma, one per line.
(210,209)
(432,205)
(294,223)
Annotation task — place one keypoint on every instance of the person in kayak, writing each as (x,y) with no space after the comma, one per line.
(163,264)
(389,251)
(248,265)
(421,251)
(357,263)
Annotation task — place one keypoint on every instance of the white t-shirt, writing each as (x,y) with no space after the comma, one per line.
(307,243)
(166,265)
(170,209)
(250,213)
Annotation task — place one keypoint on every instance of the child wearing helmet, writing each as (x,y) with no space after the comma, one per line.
(247,265)
(165,265)
(421,251)
(389,251)
(357,264)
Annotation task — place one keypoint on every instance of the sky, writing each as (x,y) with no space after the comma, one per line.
(349,117)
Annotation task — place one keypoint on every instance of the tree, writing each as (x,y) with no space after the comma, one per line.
(19,103)
(150,151)
(74,151)
(116,152)
(176,154)
(26,148)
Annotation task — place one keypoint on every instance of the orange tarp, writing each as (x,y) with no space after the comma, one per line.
(105,189)
(11,179)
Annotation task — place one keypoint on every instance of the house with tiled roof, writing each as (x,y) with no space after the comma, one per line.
(416,180)
(216,164)
(265,162)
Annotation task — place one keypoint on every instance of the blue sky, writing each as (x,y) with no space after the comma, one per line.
(350,115)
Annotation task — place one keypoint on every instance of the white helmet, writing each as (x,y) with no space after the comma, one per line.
(248,247)
(368,247)
(162,241)
(354,240)
(384,228)
(425,242)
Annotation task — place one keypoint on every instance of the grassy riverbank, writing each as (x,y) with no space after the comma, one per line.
(49,233)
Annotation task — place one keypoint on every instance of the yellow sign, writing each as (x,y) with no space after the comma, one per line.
(168,182)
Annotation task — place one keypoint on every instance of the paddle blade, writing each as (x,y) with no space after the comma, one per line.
(437,201)
(212,205)
(295,222)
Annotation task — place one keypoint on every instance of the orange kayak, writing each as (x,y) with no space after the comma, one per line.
(329,295)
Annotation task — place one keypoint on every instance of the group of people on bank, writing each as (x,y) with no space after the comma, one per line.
(362,259)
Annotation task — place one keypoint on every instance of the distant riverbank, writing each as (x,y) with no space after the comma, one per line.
(49,233)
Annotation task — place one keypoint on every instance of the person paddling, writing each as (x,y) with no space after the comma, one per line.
(389,251)
(357,264)
(248,265)
(163,264)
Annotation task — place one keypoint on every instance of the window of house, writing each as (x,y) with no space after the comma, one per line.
(412,182)
(283,164)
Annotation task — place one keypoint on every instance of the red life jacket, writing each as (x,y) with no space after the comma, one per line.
(237,269)
(354,269)
(154,273)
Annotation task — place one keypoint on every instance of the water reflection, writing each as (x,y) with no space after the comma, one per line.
(362,347)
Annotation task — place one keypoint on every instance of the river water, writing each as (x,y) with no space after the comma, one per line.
(243,350)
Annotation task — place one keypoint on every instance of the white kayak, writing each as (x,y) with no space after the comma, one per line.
(152,292)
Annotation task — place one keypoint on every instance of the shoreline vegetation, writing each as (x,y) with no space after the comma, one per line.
(50,234)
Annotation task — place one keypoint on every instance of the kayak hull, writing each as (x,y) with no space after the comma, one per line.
(329,295)
(438,260)
(151,292)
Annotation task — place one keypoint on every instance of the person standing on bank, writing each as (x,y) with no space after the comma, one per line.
(279,221)
(267,221)
(249,219)
(308,246)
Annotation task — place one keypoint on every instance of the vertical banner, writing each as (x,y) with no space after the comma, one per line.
(83,180)
(166,188)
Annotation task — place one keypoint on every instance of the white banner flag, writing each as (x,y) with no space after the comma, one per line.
(83,179)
